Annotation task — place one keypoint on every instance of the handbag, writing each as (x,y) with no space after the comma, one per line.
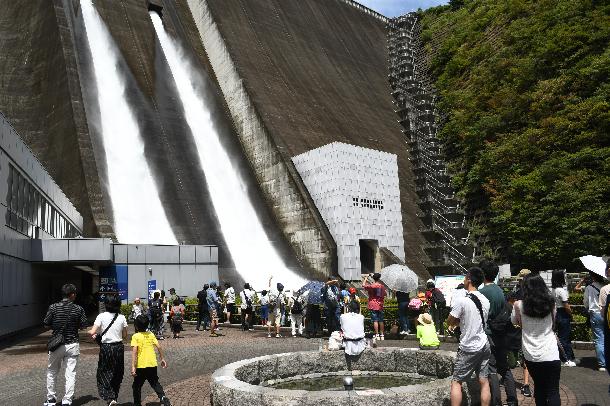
(57,340)
(98,338)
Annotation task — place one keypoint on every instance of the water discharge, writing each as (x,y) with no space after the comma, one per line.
(138,213)
(254,255)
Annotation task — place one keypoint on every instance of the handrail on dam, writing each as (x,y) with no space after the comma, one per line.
(367,10)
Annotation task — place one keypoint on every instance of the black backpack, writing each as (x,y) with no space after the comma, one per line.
(501,323)
(155,309)
(297,307)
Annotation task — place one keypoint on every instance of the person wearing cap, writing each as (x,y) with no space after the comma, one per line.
(591,303)
(353,297)
(426,333)
(377,294)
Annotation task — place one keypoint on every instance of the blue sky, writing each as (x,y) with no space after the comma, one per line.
(393,8)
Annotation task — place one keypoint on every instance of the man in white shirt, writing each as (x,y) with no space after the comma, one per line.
(470,313)
(229,302)
(352,325)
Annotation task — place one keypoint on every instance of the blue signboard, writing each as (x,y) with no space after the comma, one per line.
(113,279)
(152,286)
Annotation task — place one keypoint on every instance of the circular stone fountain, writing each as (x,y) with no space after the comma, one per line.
(396,376)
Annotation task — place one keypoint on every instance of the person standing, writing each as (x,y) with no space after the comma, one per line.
(332,304)
(64,318)
(296,314)
(591,302)
(229,301)
(563,317)
(203,309)
(213,302)
(112,326)
(156,313)
(312,320)
(247,307)
(377,295)
(176,314)
(277,307)
(144,362)
(136,309)
(264,302)
(343,297)
(497,327)
(173,296)
(403,311)
(436,305)
(470,313)
(534,314)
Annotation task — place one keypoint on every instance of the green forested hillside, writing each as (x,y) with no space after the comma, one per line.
(526,88)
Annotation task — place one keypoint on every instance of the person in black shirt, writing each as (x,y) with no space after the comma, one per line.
(203,309)
(403,311)
(64,318)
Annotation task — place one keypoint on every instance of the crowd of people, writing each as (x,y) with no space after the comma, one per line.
(529,327)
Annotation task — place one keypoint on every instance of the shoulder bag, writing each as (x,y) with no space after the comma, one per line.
(98,338)
(57,340)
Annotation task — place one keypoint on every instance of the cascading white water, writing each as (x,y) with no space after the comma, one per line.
(255,257)
(138,214)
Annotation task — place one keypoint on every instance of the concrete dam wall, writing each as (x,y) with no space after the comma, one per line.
(284,77)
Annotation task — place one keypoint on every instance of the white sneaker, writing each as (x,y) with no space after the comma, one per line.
(569,364)
(268,335)
(112,403)
(376,337)
(403,333)
(602,369)
(382,337)
(277,336)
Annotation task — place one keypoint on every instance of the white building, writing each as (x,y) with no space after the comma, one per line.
(356,191)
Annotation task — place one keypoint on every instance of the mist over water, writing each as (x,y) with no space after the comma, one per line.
(255,257)
(138,214)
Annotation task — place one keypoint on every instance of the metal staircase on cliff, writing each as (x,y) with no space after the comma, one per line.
(414,99)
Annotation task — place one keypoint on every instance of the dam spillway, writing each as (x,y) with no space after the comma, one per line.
(255,258)
(138,214)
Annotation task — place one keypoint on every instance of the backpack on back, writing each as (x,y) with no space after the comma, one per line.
(273,296)
(177,317)
(297,307)
(155,309)
(501,323)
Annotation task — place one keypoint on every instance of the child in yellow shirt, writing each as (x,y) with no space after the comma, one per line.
(144,362)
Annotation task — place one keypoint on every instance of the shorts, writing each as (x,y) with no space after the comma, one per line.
(468,362)
(213,313)
(264,312)
(231,308)
(377,316)
(275,318)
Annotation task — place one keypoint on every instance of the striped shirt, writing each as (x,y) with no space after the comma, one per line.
(58,314)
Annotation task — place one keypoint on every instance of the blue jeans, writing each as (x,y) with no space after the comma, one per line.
(597,327)
(403,316)
(562,321)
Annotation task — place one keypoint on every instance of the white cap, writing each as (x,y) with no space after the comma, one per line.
(429,281)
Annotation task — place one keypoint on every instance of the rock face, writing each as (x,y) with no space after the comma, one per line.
(239,383)
(304,73)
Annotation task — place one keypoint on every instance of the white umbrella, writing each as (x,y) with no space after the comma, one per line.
(399,277)
(594,264)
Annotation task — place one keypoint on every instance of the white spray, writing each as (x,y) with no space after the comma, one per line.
(255,257)
(138,214)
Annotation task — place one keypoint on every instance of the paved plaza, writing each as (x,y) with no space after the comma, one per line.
(193,358)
